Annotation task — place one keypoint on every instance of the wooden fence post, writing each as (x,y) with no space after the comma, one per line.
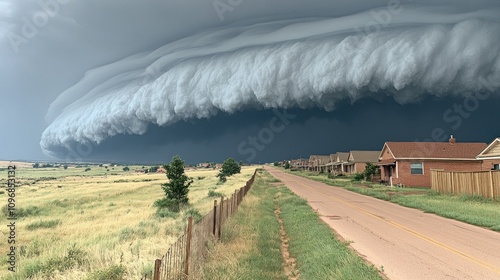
(215,217)
(491,184)
(220,215)
(188,246)
(156,275)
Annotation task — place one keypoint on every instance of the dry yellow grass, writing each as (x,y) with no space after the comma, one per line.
(19,164)
(111,218)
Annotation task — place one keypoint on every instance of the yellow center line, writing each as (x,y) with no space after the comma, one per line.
(411,231)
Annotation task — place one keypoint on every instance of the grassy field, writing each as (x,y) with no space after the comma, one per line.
(474,210)
(251,241)
(95,225)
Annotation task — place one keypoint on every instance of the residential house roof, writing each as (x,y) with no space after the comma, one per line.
(434,150)
(492,151)
(364,156)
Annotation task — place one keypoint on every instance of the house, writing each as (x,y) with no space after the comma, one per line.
(410,163)
(357,160)
(300,163)
(318,162)
(490,156)
(337,163)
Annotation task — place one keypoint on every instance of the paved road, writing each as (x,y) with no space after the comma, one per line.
(407,243)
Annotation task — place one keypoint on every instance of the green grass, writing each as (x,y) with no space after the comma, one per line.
(251,241)
(43,224)
(474,210)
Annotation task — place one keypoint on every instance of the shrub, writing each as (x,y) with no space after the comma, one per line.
(214,194)
(192,213)
(22,212)
(165,213)
(43,224)
(114,272)
(126,168)
(87,169)
(358,176)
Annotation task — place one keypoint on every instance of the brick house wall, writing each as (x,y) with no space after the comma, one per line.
(488,164)
(359,167)
(403,174)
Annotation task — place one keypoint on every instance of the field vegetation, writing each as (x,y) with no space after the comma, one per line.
(99,224)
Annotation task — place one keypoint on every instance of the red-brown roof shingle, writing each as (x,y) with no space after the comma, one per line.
(437,150)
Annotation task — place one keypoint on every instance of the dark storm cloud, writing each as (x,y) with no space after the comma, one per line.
(169,62)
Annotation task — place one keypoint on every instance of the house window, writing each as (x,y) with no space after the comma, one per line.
(417,168)
(496,166)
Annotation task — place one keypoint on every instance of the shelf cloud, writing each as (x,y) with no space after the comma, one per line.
(299,63)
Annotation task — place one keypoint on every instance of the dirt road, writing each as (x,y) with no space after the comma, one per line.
(405,243)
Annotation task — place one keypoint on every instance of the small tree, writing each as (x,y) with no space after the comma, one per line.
(177,188)
(36,165)
(65,166)
(126,168)
(229,167)
(287,165)
(370,169)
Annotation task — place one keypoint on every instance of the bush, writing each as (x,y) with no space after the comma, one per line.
(126,168)
(43,224)
(192,213)
(165,203)
(214,194)
(87,169)
(22,212)
(358,176)
(114,272)
(165,213)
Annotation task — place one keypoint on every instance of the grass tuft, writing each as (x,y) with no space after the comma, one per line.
(43,224)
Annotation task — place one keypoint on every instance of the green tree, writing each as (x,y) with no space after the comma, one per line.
(126,168)
(36,165)
(177,188)
(65,166)
(276,163)
(370,169)
(153,169)
(229,167)
(287,165)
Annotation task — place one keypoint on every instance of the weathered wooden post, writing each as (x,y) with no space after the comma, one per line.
(156,275)
(188,246)
(220,215)
(491,184)
(215,217)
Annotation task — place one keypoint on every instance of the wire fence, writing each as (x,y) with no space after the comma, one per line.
(188,253)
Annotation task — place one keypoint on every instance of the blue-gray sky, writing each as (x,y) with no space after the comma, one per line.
(208,79)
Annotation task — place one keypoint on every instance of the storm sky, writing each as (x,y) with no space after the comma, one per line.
(141,81)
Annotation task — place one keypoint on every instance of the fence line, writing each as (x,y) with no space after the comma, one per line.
(188,252)
(483,183)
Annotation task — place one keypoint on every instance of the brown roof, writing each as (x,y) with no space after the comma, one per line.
(323,160)
(435,150)
(365,156)
(343,156)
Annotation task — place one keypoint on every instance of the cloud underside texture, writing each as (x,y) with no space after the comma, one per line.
(303,63)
